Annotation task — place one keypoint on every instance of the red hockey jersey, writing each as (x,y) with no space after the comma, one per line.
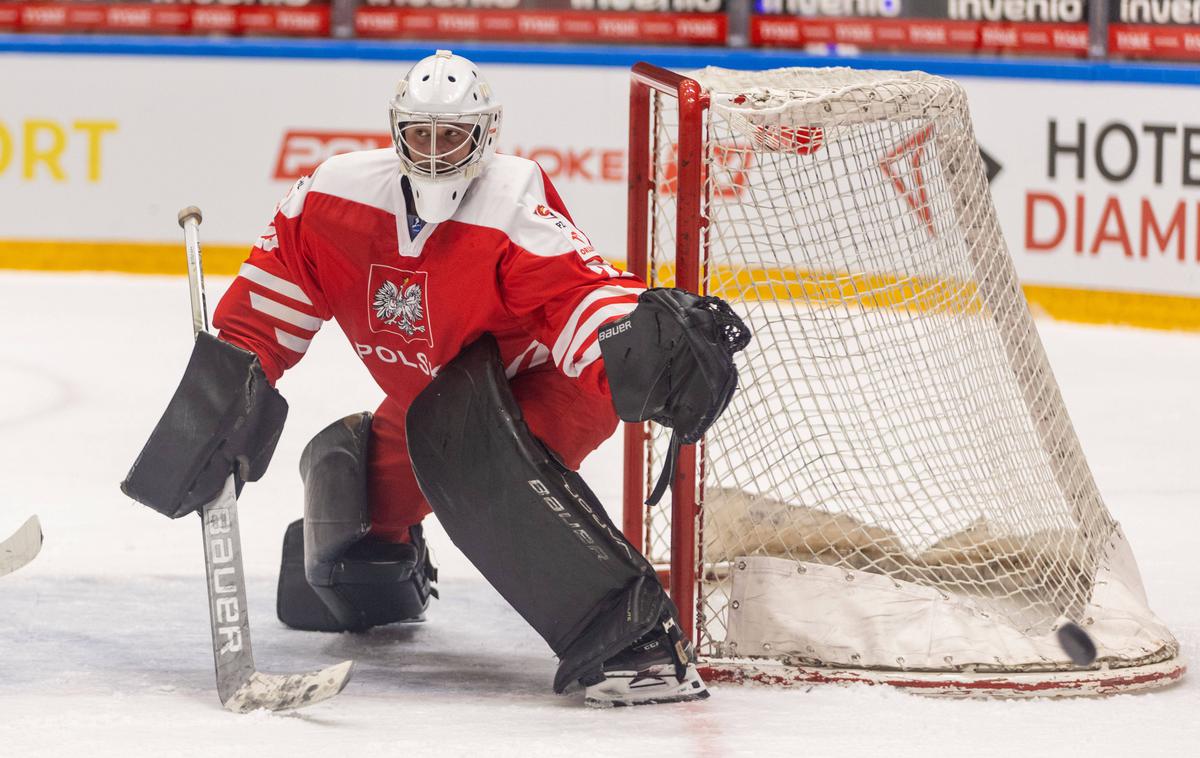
(510,262)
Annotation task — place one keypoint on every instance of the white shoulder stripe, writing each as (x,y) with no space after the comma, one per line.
(567,335)
(284,313)
(291,341)
(510,195)
(369,177)
(273,283)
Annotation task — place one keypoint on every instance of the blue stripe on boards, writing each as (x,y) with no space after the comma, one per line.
(600,55)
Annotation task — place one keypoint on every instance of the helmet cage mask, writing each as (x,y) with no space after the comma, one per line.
(443,146)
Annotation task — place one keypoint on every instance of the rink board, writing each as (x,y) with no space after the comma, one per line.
(1097,190)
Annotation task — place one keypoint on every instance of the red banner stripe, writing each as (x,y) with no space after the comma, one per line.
(1144,41)
(920,34)
(128,17)
(683,28)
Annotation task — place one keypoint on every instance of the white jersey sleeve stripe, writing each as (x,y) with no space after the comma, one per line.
(588,331)
(284,313)
(567,335)
(511,370)
(291,341)
(540,356)
(576,367)
(273,283)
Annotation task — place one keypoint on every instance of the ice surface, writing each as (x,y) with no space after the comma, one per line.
(104,638)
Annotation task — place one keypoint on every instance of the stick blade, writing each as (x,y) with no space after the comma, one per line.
(282,693)
(22,547)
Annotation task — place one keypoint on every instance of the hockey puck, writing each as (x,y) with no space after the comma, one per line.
(1077,644)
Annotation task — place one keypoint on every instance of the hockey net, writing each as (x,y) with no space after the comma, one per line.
(896,493)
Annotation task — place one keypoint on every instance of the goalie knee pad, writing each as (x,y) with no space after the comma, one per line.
(530,525)
(334,576)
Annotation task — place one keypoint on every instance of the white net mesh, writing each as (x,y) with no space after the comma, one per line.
(897,415)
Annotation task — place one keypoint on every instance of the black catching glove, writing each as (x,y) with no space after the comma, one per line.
(671,362)
(225,418)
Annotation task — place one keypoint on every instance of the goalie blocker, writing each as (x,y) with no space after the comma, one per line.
(538,534)
(223,418)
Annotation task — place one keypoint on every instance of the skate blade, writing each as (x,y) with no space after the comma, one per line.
(645,688)
(595,702)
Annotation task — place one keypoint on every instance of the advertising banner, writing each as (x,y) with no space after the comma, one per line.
(1056,27)
(10,16)
(1097,185)
(251,17)
(1168,29)
(103,172)
(690,22)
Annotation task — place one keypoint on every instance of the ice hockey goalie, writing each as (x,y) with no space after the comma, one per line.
(478,307)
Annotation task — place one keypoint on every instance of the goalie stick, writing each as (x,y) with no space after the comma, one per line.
(240,687)
(22,547)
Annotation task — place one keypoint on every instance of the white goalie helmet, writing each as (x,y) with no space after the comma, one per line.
(445,126)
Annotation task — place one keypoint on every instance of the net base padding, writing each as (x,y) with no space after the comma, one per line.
(956,684)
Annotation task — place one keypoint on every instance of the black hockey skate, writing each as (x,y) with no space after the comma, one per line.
(657,668)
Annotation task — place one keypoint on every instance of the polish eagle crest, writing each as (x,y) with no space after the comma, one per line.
(400,306)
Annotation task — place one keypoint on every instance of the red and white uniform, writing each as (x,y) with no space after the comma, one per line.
(509,261)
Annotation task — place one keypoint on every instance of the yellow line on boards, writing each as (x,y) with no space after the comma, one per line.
(1104,307)
(870,290)
(118,257)
(866,290)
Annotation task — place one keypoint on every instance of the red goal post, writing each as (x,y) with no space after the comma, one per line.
(692,104)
